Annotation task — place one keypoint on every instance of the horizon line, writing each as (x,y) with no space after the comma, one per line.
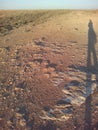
(51,9)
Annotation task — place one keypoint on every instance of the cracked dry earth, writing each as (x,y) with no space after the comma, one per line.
(45,85)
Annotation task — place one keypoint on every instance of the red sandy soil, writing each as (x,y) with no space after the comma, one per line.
(42,68)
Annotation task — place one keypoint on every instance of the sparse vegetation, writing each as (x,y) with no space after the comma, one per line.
(14,19)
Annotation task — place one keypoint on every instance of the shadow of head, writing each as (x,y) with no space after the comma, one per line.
(90,24)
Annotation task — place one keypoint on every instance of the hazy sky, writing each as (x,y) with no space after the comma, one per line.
(48,4)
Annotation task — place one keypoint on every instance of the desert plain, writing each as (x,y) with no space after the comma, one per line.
(48,80)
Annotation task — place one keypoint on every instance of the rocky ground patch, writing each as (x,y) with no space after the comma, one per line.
(45,83)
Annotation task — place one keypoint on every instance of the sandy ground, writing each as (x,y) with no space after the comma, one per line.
(45,82)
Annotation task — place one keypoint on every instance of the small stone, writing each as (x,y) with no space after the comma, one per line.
(18,115)
(4,98)
(7,48)
(22,122)
(93,77)
(76,29)
(46,108)
(63,102)
(13,60)
(51,69)
(44,70)
(9,123)
(47,75)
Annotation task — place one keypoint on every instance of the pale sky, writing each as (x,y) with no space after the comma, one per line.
(48,4)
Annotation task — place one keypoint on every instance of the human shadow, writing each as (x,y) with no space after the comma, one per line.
(91,47)
(91,70)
